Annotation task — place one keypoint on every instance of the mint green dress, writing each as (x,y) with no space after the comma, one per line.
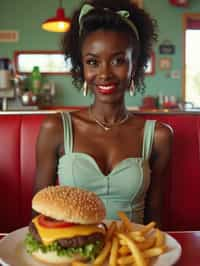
(124,188)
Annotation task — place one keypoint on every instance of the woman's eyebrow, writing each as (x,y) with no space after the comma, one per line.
(90,54)
(96,55)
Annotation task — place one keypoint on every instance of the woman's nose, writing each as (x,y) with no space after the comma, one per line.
(105,71)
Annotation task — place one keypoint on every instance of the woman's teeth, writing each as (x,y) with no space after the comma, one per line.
(106,87)
(109,89)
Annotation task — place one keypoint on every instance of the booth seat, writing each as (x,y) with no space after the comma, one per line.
(18,134)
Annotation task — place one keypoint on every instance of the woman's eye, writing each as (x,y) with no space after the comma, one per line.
(91,62)
(118,61)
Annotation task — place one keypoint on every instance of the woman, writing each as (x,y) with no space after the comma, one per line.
(105,147)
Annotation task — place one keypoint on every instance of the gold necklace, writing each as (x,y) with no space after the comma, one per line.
(104,125)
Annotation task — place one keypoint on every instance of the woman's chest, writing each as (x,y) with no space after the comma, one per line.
(109,148)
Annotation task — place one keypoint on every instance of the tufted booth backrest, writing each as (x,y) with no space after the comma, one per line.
(182,194)
(18,133)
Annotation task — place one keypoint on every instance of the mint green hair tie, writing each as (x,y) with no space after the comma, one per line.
(84,10)
(124,14)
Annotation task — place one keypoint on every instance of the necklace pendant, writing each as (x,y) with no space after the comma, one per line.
(103,124)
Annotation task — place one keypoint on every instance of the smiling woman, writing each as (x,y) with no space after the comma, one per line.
(106,54)
(105,148)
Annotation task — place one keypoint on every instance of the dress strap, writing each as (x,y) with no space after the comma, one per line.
(67,126)
(149,129)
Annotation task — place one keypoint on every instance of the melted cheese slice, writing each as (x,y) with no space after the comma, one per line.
(48,235)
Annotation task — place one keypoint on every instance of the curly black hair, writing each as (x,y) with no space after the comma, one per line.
(104,16)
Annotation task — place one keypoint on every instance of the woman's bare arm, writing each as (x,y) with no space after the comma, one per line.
(161,153)
(47,146)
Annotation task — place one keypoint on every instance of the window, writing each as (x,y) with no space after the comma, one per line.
(49,62)
(191,91)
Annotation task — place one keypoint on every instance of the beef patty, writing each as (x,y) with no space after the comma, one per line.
(74,242)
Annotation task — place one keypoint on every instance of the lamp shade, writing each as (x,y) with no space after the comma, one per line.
(179,3)
(59,23)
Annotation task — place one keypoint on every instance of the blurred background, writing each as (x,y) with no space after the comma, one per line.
(169,83)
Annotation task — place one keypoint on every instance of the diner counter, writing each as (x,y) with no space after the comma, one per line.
(56,109)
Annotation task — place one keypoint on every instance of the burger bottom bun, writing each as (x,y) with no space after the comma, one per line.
(52,258)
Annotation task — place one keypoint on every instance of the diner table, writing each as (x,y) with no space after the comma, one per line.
(190,243)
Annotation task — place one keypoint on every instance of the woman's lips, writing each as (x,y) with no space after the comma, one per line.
(106,89)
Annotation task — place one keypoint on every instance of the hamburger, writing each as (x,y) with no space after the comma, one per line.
(68,225)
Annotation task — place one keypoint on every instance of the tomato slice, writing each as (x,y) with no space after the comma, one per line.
(52,223)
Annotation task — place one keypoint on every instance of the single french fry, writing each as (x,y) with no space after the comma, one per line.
(111,229)
(136,253)
(126,260)
(160,238)
(124,250)
(114,252)
(148,243)
(103,255)
(136,233)
(135,237)
(146,228)
(122,242)
(154,252)
(121,227)
(125,220)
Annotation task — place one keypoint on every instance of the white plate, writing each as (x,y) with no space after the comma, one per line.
(12,251)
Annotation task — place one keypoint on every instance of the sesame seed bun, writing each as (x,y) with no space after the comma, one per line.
(70,204)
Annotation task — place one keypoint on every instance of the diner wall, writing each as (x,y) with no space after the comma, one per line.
(26,16)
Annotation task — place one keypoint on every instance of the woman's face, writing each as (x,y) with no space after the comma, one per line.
(107,64)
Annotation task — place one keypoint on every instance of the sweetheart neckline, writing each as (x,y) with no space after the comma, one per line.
(97,166)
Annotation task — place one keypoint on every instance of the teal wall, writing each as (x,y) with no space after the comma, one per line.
(26,16)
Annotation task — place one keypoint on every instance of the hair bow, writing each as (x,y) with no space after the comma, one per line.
(124,14)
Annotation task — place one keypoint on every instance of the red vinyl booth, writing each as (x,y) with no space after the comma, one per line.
(18,133)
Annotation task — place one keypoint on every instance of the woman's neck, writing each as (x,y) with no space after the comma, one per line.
(109,114)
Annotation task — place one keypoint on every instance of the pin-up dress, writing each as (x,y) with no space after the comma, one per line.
(124,188)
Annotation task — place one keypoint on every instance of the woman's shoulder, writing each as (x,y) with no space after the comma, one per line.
(163,134)
(163,129)
(52,122)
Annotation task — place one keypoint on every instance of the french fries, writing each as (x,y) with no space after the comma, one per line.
(103,255)
(137,255)
(126,244)
(112,228)
(128,224)
(114,252)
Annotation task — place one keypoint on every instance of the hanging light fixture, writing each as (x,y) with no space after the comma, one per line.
(59,23)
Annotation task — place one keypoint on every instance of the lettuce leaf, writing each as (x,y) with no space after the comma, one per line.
(89,251)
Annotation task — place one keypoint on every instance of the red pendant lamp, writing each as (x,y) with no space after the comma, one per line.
(59,23)
(179,3)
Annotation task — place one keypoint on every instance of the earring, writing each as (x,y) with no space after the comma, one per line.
(85,88)
(132,88)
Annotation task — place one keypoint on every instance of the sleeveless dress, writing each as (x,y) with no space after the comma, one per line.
(124,188)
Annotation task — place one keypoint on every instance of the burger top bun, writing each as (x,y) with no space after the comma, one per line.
(70,204)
